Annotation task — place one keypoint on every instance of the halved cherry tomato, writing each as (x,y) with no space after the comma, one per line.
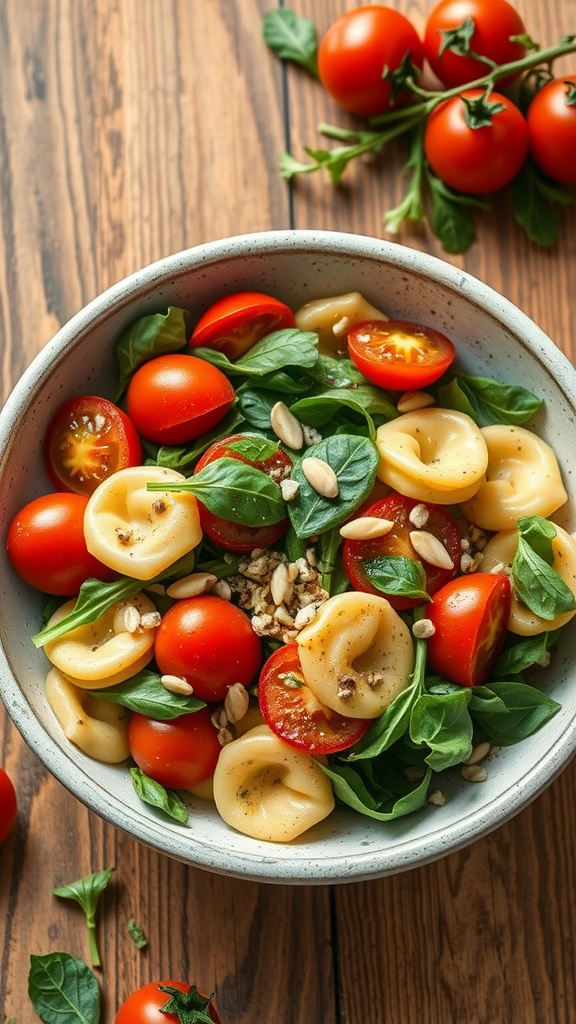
(294,713)
(397,508)
(145,1005)
(235,323)
(235,536)
(88,439)
(470,616)
(400,355)
(175,398)
(180,753)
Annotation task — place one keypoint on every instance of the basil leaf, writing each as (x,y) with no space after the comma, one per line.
(522,655)
(291,37)
(352,789)
(509,712)
(63,989)
(145,694)
(533,196)
(86,892)
(355,461)
(398,575)
(256,405)
(147,337)
(337,373)
(235,491)
(443,723)
(166,800)
(288,347)
(450,216)
(489,401)
(366,401)
(536,582)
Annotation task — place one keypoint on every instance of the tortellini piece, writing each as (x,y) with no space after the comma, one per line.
(333,317)
(522,479)
(268,790)
(500,551)
(137,532)
(109,650)
(96,726)
(357,654)
(432,454)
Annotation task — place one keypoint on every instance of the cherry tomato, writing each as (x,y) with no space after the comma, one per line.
(144,1006)
(8,806)
(210,643)
(46,545)
(235,323)
(475,160)
(179,753)
(294,713)
(470,616)
(88,439)
(552,129)
(495,21)
(355,51)
(397,508)
(236,536)
(175,398)
(398,354)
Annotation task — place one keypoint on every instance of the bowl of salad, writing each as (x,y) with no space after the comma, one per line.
(289,569)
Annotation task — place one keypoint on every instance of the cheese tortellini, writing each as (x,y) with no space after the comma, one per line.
(97,727)
(268,790)
(333,317)
(139,532)
(357,654)
(108,650)
(500,551)
(522,479)
(432,454)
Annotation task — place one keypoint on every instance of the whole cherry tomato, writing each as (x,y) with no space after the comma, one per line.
(8,806)
(495,22)
(236,322)
(180,753)
(398,354)
(145,1005)
(355,51)
(46,545)
(552,129)
(476,160)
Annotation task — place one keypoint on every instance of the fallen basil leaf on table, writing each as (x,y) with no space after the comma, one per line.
(86,892)
(63,989)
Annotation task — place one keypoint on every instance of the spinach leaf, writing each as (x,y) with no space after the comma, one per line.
(356,789)
(255,404)
(398,575)
(536,582)
(365,401)
(86,892)
(183,458)
(166,800)
(336,373)
(233,490)
(147,337)
(291,37)
(63,989)
(355,461)
(145,693)
(524,653)
(443,723)
(508,712)
(533,199)
(489,401)
(288,347)
(450,216)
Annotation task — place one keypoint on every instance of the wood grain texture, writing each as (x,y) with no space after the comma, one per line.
(130,129)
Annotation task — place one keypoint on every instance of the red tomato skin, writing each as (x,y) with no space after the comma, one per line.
(383,362)
(175,398)
(355,50)
(46,545)
(470,615)
(495,21)
(143,1006)
(179,753)
(475,160)
(295,715)
(397,542)
(236,536)
(552,130)
(80,452)
(210,643)
(8,806)
(236,322)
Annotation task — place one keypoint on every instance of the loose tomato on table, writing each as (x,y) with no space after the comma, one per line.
(234,324)
(236,536)
(8,806)
(552,129)
(356,554)
(87,440)
(495,23)
(480,159)
(356,50)
(175,398)
(180,753)
(470,616)
(146,1005)
(293,712)
(209,642)
(400,355)
(46,545)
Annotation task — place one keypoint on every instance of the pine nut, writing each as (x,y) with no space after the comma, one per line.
(279,583)
(412,400)
(131,617)
(480,751)
(430,549)
(236,702)
(473,773)
(175,684)
(286,426)
(192,585)
(419,516)
(320,476)
(366,527)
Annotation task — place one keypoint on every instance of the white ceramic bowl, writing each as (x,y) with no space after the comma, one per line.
(493,338)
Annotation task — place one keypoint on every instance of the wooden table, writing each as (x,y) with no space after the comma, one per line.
(130,129)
